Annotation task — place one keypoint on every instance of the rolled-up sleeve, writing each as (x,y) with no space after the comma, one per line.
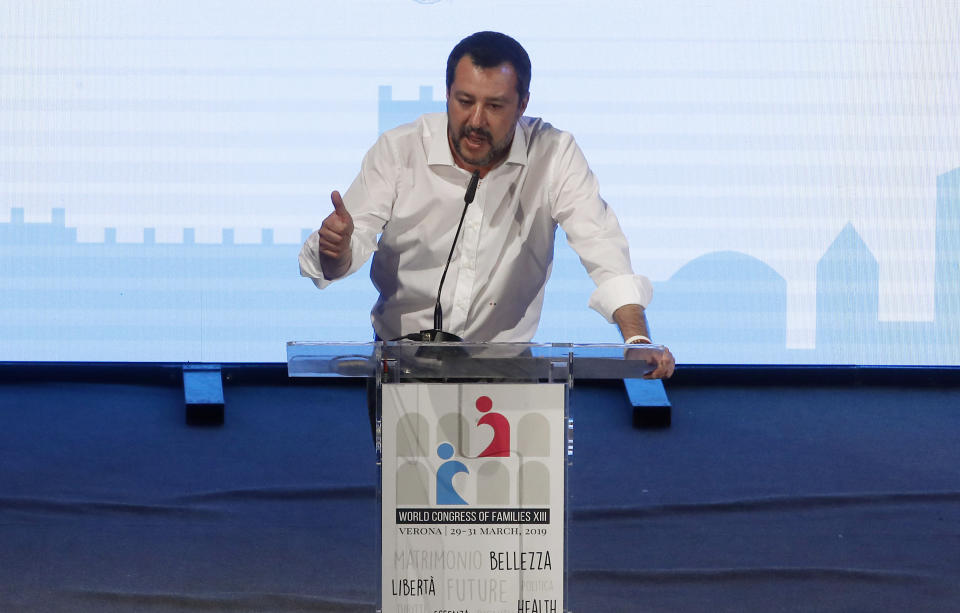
(594,233)
(618,291)
(310,260)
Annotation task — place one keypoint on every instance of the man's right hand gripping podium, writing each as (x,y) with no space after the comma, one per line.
(459,211)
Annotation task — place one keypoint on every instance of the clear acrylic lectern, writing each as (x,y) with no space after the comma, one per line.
(473,443)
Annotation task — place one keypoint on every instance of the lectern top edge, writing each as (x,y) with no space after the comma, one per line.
(352,359)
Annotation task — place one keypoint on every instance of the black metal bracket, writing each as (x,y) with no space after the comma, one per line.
(203,394)
(651,407)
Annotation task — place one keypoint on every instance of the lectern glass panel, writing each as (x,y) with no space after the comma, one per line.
(473,443)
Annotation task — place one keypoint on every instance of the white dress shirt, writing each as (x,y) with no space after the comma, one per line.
(410,193)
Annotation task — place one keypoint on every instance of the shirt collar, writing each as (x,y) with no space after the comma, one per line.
(440,154)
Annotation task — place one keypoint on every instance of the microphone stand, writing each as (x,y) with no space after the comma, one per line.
(437,334)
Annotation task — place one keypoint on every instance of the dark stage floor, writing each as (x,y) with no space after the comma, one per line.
(794,497)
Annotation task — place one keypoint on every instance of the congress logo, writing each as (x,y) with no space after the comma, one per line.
(474,456)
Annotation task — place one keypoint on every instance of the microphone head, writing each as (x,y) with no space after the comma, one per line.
(472,187)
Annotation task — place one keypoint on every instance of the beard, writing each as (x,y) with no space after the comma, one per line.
(496,152)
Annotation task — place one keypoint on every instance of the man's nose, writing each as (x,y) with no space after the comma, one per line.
(477,119)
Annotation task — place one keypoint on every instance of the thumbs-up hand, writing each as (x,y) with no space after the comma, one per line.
(334,239)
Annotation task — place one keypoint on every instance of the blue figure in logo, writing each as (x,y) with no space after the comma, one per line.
(445,492)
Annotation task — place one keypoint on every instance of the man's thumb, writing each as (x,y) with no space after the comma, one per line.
(338,206)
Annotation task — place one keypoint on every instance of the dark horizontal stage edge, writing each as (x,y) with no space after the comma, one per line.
(686,374)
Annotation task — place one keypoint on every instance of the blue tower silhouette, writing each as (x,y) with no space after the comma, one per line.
(947,271)
(18,232)
(848,298)
(392,113)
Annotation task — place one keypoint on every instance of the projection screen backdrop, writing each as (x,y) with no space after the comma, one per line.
(788,174)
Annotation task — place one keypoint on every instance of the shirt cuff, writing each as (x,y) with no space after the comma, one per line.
(618,291)
(310,261)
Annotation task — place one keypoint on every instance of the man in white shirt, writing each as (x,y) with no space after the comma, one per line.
(410,193)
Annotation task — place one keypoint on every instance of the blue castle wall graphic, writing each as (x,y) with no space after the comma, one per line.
(188,301)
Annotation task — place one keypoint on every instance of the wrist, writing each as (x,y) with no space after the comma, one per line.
(638,338)
(334,268)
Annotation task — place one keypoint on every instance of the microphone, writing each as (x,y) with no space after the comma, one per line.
(437,334)
(467,199)
(471,192)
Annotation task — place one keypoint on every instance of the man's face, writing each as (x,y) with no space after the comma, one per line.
(483,107)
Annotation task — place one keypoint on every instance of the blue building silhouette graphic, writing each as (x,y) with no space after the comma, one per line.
(151,301)
(392,113)
(190,301)
(18,232)
(724,307)
(848,299)
(948,253)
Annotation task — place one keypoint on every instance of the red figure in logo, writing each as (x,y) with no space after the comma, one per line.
(499,447)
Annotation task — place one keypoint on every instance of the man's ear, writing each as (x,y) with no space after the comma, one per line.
(523,104)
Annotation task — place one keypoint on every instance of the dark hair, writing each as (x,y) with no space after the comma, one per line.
(489,49)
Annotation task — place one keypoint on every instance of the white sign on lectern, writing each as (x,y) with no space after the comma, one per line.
(472,497)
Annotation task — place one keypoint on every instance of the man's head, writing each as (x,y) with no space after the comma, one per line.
(490,49)
(488,83)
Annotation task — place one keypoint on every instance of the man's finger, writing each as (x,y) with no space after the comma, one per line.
(327,240)
(331,246)
(324,243)
(663,366)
